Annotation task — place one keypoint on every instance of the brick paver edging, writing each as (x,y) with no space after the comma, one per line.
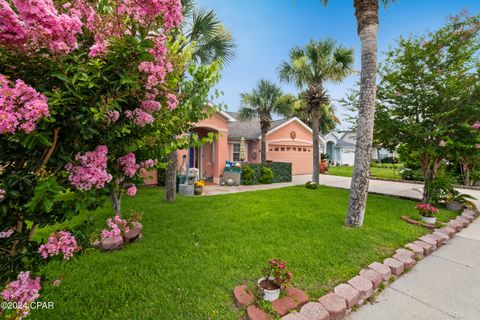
(353,294)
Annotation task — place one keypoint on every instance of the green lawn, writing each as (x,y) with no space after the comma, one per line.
(195,251)
(346,171)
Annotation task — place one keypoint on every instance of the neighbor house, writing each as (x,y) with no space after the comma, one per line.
(340,149)
(288,140)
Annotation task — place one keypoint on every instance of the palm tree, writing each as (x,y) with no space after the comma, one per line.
(366,12)
(309,69)
(328,122)
(212,42)
(264,101)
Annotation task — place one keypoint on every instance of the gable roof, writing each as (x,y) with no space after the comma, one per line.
(249,129)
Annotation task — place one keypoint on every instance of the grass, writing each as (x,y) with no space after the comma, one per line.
(379,172)
(196,250)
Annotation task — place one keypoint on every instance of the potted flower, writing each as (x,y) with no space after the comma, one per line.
(456,200)
(275,277)
(428,212)
(198,187)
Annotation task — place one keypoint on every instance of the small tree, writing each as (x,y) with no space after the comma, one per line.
(83,89)
(427,84)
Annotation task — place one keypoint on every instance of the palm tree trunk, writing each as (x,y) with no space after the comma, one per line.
(366,12)
(171,178)
(263,151)
(315,142)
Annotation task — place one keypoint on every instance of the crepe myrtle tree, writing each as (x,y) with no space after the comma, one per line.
(462,144)
(83,84)
(428,96)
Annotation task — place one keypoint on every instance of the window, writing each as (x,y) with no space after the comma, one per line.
(236,152)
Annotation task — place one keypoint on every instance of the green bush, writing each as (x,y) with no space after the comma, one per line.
(248,175)
(266,175)
(282,172)
(311,185)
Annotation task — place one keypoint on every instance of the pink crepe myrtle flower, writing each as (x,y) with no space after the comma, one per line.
(140,117)
(21,106)
(12,30)
(150,106)
(128,164)
(116,227)
(476,125)
(147,164)
(24,290)
(172,101)
(91,170)
(99,50)
(59,242)
(38,25)
(6,234)
(442,143)
(132,191)
(113,115)
(2,194)
(56,282)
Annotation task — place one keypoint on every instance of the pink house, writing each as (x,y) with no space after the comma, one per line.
(288,140)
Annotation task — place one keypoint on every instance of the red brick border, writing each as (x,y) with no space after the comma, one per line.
(339,303)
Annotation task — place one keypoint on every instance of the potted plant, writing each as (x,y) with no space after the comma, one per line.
(275,277)
(428,212)
(198,187)
(456,200)
(324,163)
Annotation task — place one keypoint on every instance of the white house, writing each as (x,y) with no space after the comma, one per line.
(340,148)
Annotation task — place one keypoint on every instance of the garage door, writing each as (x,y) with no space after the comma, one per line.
(299,156)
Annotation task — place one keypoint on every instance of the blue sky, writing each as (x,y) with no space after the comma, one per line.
(265,30)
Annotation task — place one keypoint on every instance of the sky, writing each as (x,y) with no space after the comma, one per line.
(265,31)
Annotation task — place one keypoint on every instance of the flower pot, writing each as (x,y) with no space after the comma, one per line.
(429,220)
(268,294)
(323,166)
(454,206)
(197,191)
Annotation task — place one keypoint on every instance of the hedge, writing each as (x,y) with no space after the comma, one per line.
(282,171)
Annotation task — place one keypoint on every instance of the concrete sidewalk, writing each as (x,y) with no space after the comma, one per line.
(401,189)
(444,285)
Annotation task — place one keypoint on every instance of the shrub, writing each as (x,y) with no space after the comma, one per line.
(248,174)
(389,160)
(266,175)
(282,172)
(311,185)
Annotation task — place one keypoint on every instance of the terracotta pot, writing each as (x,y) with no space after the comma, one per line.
(323,166)
(198,191)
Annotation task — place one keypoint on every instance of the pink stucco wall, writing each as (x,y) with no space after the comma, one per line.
(211,163)
(282,147)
